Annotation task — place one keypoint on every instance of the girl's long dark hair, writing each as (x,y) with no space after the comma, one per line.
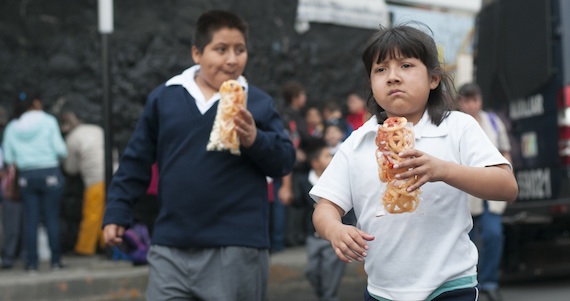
(411,42)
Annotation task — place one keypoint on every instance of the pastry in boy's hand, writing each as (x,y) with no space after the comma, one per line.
(224,135)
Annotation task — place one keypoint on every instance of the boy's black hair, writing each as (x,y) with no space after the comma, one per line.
(291,90)
(314,148)
(411,42)
(211,21)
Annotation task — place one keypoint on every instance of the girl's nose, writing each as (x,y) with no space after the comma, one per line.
(393,76)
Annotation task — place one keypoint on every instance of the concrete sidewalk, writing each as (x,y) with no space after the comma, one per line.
(98,279)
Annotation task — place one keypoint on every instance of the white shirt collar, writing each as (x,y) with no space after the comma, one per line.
(424,128)
(186,80)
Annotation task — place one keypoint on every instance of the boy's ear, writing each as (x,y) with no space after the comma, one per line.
(196,54)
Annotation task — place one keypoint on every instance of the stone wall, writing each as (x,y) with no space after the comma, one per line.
(55,46)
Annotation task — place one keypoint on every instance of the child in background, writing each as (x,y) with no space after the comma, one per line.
(333,137)
(324,270)
(332,114)
(314,120)
(357,114)
(425,254)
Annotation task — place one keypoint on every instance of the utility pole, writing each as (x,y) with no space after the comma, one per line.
(105,8)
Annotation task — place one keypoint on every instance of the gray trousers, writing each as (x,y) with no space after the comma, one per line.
(324,269)
(227,273)
(12,223)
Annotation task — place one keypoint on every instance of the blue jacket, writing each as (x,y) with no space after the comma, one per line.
(34,141)
(207,198)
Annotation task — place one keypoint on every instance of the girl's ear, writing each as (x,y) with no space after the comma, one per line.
(434,81)
(196,55)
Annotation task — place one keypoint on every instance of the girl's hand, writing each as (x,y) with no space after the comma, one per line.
(349,243)
(422,165)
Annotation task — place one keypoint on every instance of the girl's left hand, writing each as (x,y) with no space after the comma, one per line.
(427,168)
(245,128)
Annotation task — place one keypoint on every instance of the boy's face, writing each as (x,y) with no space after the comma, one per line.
(322,161)
(224,58)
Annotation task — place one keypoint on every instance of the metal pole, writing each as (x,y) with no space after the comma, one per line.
(105,11)
(107,109)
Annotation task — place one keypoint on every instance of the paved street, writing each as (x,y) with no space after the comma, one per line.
(97,279)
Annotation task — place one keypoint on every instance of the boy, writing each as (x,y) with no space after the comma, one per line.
(211,237)
(324,269)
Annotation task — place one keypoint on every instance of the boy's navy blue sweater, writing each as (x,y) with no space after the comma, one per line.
(207,198)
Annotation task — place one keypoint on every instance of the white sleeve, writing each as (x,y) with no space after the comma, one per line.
(476,149)
(334,183)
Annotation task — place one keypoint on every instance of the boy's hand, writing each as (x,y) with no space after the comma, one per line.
(113,234)
(349,242)
(245,128)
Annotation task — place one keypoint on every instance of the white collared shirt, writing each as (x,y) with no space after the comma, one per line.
(412,253)
(187,80)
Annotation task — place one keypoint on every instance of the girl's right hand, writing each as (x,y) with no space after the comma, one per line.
(349,243)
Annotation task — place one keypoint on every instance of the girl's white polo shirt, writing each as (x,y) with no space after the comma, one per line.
(413,253)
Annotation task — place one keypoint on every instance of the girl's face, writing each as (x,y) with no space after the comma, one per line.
(224,58)
(313,117)
(333,135)
(401,86)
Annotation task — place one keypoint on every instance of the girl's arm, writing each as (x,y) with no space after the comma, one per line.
(496,182)
(348,242)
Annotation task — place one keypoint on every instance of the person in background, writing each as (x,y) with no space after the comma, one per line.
(315,123)
(295,100)
(324,269)
(211,237)
(332,114)
(487,231)
(33,142)
(86,157)
(425,254)
(12,213)
(334,136)
(146,209)
(357,114)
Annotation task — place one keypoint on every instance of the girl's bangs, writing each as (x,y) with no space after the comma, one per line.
(395,46)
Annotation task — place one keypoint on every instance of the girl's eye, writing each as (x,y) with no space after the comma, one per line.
(406,65)
(380,69)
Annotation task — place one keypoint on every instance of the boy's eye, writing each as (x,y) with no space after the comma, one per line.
(220,49)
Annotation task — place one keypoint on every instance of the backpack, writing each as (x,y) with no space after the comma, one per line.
(136,242)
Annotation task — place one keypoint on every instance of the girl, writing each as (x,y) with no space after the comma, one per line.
(425,254)
(33,142)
